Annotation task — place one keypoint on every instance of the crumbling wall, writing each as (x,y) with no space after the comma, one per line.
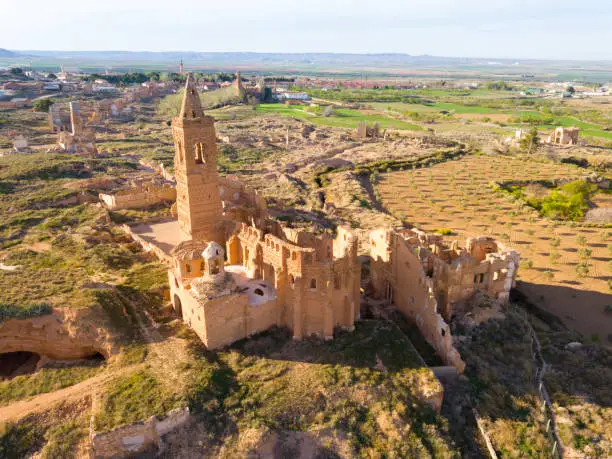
(135,438)
(398,276)
(564,136)
(139,198)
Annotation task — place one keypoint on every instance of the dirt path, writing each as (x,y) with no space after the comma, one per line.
(41,402)
(165,353)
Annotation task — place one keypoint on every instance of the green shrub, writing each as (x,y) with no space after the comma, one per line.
(12,311)
(570,202)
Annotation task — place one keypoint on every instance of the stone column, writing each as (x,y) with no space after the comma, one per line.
(297,309)
(328,320)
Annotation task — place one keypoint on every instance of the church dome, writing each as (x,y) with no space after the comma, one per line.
(189,250)
(213,250)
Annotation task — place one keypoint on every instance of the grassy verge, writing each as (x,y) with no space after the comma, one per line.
(358,394)
(500,372)
(46,380)
(133,398)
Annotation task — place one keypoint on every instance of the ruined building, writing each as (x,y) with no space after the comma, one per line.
(428,280)
(139,195)
(240,91)
(564,136)
(80,140)
(235,271)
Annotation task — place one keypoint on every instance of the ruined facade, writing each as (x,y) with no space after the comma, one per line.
(80,140)
(139,195)
(564,136)
(364,131)
(428,280)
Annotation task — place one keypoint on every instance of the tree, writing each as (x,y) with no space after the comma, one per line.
(530,142)
(16,71)
(329,111)
(571,89)
(42,105)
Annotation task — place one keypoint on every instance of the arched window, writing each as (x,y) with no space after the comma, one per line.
(199,153)
(188,267)
(180,151)
(291,279)
(313,284)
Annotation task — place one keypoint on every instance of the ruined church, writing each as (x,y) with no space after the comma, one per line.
(236,271)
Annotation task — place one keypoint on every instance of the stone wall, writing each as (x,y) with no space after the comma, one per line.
(398,276)
(134,438)
(139,198)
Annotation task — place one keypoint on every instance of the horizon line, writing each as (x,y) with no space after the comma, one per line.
(299,52)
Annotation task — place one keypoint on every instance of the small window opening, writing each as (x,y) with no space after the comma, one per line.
(313,283)
(258,291)
(443,332)
(188,267)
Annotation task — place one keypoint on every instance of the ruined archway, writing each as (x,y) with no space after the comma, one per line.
(178,307)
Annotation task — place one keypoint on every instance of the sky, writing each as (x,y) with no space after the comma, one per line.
(539,29)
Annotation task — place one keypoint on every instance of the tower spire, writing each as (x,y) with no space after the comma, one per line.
(192,107)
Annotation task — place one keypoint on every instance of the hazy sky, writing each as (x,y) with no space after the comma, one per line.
(575,29)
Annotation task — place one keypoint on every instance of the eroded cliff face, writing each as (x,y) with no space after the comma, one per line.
(65,334)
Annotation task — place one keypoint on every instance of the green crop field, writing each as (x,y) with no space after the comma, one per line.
(346,118)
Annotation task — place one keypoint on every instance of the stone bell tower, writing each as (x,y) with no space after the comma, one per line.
(198,201)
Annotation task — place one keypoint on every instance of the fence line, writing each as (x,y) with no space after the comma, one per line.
(484,434)
(547,407)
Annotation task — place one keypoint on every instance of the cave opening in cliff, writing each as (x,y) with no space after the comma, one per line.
(17,363)
(97,357)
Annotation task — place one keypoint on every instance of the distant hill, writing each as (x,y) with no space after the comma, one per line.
(7,53)
(379,65)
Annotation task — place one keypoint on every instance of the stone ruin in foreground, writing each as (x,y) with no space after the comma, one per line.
(235,271)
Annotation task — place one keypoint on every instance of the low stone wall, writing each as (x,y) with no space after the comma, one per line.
(160,169)
(134,438)
(139,198)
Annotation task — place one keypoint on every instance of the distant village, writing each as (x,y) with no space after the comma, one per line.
(21,87)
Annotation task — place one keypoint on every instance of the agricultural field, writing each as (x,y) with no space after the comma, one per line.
(565,269)
(342,117)
(446,110)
